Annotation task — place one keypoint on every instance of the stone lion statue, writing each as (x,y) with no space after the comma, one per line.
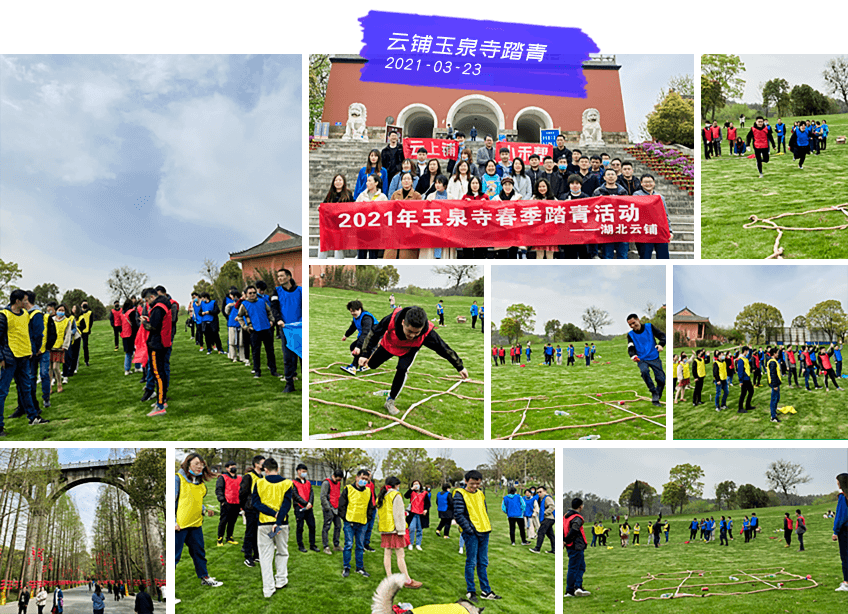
(356,117)
(591,134)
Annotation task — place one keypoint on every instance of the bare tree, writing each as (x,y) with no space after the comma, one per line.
(125,283)
(836,77)
(498,458)
(457,272)
(650,310)
(596,318)
(210,270)
(785,476)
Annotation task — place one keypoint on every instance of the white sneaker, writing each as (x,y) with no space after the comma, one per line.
(419,548)
(176,601)
(410,546)
(579,592)
(64,380)
(842,588)
(460,550)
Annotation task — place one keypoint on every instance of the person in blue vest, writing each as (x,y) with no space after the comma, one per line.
(209,311)
(746,529)
(644,343)
(255,316)
(840,528)
(197,329)
(593,349)
(527,351)
(362,323)
(513,506)
(237,341)
(287,306)
(755,525)
(440,311)
(559,355)
(722,532)
(799,144)
(474,313)
(482,319)
(780,131)
(693,529)
(587,354)
(444,506)
(570,360)
(549,354)
(825,130)
(547,514)
(836,348)
(531,520)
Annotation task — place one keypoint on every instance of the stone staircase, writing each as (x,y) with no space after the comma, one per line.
(348,157)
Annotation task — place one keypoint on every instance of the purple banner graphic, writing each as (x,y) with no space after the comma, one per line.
(453,53)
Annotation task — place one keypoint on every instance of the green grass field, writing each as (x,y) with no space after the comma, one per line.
(821,414)
(524,580)
(555,386)
(210,398)
(609,572)
(731,192)
(445,415)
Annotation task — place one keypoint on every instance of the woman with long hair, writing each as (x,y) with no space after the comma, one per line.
(64,335)
(491,180)
(127,316)
(439,192)
(190,488)
(523,184)
(373,165)
(407,191)
(338,193)
(372,192)
(474,192)
(543,191)
(98,602)
(508,192)
(416,495)
(458,183)
(392,526)
(427,181)
(407,166)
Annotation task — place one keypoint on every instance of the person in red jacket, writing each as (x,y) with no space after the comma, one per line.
(761,137)
(227,492)
(401,334)
(303,511)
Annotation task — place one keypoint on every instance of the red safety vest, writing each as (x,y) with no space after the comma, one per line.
(825,361)
(731,134)
(116,318)
(565,528)
(416,502)
(494,351)
(126,325)
(166,324)
(231,489)
(716,132)
(304,489)
(396,346)
(760,137)
(335,492)
(503,352)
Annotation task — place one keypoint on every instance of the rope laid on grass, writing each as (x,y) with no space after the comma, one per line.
(575,426)
(375,413)
(689,575)
(520,424)
(777,251)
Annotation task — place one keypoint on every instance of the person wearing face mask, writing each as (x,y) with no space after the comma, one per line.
(189,490)
(251,516)
(303,511)
(356,508)
(416,495)
(393,529)
(227,492)
(331,491)
(64,335)
(16,356)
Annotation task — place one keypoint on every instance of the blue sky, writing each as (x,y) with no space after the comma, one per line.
(599,471)
(793,289)
(563,292)
(155,162)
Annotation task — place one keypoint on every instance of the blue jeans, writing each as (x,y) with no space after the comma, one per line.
(127,361)
(415,530)
(655,365)
(354,530)
(614,251)
(576,568)
(32,366)
(193,538)
(721,386)
(368,528)
(477,556)
(594,537)
(838,368)
(842,536)
(646,249)
(17,369)
(775,397)
(808,372)
(44,372)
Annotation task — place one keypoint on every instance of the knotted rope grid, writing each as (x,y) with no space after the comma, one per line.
(769,224)
(755,576)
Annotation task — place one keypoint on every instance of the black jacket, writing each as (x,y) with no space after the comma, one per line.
(246,488)
(154,323)
(574,536)
(366,324)
(143,603)
(391,160)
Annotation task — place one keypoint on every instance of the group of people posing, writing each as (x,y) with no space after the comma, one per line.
(550,354)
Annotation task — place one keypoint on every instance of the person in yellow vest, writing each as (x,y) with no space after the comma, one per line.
(36,338)
(469,508)
(683,372)
(636,530)
(59,348)
(15,355)
(773,370)
(743,370)
(699,372)
(391,517)
(85,322)
(720,379)
(356,508)
(189,492)
(272,498)
(598,534)
(72,355)
(47,342)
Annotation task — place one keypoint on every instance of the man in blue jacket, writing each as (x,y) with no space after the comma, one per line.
(780,131)
(474,312)
(836,348)
(644,343)
(755,523)
(514,507)
(287,306)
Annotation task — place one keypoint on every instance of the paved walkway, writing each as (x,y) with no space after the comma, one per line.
(78,601)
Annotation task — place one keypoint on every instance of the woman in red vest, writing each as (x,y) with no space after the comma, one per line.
(401,334)
(417,497)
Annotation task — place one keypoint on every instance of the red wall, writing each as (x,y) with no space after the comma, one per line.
(292,261)
(384,99)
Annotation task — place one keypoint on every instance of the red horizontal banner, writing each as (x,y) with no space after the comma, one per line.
(412,224)
(447,149)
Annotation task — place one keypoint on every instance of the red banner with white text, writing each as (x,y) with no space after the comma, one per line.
(411,224)
(446,149)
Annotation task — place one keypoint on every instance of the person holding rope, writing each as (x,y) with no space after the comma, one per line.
(644,343)
(401,334)
(361,324)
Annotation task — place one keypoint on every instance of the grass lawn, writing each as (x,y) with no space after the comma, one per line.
(821,414)
(524,580)
(731,192)
(210,398)
(445,415)
(609,572)
(612,374)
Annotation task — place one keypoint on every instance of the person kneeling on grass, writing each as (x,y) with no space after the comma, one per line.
(401,334)
(361,324)
(469,505)
(392,526)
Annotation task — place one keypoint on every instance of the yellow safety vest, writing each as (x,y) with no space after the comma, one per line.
(722,370)
(686,371)
(385,513)
(475,503)
(61,328)
(190,503)
(747,365)
(445,608)
(701,366)
(357,504)
(637,529)
(86,317)
(46,318)
(18,333)
(271,494)
(599,529)
(777,370)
